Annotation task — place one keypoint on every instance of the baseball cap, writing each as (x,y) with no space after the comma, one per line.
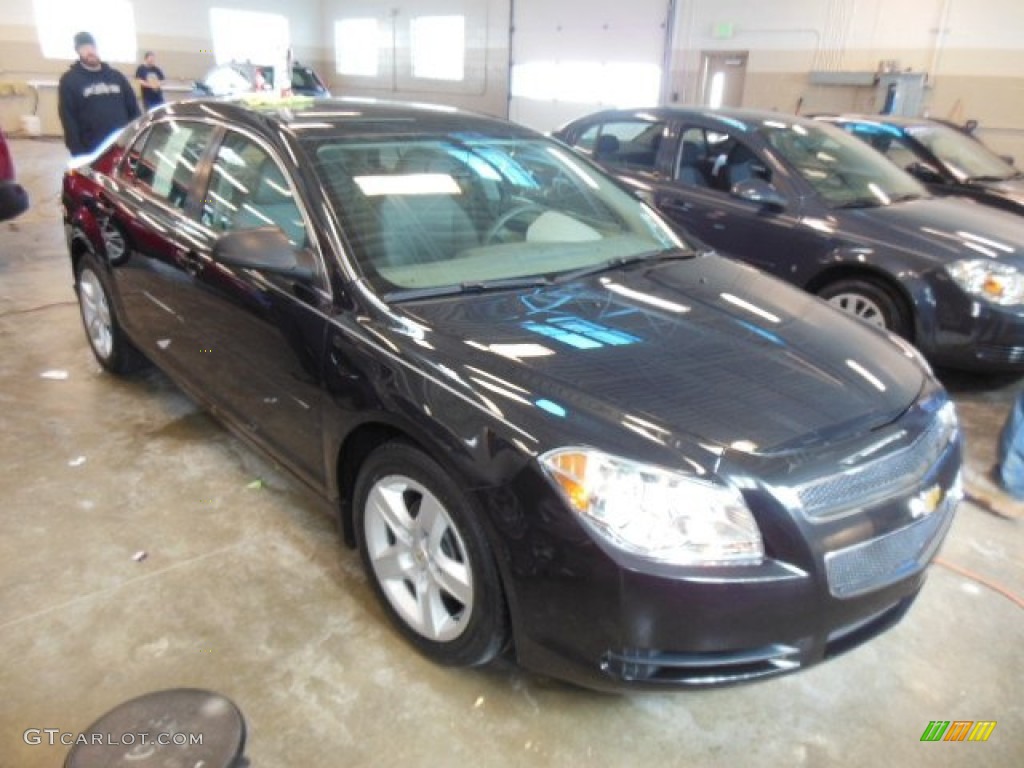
(84,38)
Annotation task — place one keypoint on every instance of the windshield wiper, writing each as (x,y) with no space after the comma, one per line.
(475,286)
(618,262)
(995,178)
(906,196)
(866,202)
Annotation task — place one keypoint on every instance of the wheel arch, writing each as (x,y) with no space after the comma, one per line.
(873,274)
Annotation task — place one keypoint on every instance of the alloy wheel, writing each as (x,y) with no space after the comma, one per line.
(96,313)
(419,558)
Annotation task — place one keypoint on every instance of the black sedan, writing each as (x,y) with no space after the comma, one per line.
(809,203)
(547,424)
(947,160)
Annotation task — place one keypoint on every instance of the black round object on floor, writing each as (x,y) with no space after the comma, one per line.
(178,727)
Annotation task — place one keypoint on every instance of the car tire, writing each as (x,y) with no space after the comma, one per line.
(103,329)
(871,301)
(427,556)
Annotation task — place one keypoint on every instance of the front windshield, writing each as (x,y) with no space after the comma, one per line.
(965,157)
(844,170)
(431,212)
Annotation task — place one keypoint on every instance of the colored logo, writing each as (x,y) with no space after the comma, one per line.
(925,503)
(958,730)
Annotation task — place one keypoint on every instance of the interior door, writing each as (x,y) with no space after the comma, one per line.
(723,74)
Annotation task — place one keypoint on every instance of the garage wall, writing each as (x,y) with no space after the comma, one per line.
(576,56)
(973,53)
(484,87)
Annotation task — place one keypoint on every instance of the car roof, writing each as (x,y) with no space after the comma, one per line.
(339,116)
(894,120)
(747,119)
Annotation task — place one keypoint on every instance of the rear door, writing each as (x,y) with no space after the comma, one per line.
(143,223)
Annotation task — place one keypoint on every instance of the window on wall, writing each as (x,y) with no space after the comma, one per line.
(252,36)
(111,22)
(620,84)
(439,47)
(356,47)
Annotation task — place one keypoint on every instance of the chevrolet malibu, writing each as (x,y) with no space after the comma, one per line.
(814,206)
(551,428)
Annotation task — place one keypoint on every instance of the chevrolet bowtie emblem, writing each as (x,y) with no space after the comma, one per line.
(926,502)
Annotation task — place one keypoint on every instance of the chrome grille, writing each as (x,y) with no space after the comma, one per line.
(877,563)
(880,477)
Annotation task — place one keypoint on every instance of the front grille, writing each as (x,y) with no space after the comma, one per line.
(878,478)
(885,560)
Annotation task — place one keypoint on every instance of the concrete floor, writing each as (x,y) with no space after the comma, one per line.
(247,591)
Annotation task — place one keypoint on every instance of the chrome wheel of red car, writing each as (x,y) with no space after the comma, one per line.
(95,314)
(108,342)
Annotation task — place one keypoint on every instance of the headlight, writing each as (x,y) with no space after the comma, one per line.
(990,280)
(656,513)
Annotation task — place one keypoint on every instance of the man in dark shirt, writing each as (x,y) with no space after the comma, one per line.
(151,79)
(94,100)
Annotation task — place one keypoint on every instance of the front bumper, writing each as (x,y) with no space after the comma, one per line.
(586,613)
(13,200)
(973,334)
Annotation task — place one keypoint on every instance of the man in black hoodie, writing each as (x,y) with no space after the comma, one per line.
(94,100)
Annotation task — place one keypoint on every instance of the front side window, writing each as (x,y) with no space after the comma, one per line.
(167,160)
(436,212)
(248,190)
(842,169)
(717,160)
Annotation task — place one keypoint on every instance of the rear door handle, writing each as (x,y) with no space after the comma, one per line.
(190,261)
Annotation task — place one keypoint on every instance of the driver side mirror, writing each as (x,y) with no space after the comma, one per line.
(759,191)
(265,249)
(924,172)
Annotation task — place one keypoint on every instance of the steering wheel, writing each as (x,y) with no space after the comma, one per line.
(508,217)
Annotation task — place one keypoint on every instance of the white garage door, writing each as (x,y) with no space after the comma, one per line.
(574,56)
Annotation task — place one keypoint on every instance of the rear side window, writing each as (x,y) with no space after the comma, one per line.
(630,143)
(166,163)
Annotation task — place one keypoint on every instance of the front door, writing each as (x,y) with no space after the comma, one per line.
(256,338)
(699,197)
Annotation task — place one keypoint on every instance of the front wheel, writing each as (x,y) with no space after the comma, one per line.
(109,345)
(427,556)
(870,301)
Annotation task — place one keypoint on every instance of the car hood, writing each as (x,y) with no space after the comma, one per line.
(706,348)
(942,229)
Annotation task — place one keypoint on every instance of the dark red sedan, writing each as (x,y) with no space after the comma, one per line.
(13,197)
(551,427)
